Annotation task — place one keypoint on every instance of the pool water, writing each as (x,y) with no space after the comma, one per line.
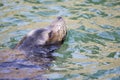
(91,50)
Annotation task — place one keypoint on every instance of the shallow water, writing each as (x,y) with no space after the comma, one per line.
(91,50)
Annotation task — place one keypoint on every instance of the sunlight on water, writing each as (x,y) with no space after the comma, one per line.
(91,50)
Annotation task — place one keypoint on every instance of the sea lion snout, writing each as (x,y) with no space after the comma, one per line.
(59,17)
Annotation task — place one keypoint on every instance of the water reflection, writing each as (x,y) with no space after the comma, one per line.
(91,50)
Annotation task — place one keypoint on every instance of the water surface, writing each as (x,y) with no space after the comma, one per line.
(91,50)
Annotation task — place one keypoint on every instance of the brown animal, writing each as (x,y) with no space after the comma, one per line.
(41,42)
(33,53)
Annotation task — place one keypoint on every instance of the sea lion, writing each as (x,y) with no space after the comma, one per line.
(41,42)
(33,53)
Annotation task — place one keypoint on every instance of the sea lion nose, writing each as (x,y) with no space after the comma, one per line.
(59,18)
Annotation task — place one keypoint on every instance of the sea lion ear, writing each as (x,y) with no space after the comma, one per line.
(50,34)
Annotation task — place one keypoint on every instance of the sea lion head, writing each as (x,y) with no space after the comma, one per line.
(58,30)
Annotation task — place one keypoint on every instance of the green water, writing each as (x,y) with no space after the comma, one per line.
(91,50)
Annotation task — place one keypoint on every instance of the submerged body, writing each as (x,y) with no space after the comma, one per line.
(41,42)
